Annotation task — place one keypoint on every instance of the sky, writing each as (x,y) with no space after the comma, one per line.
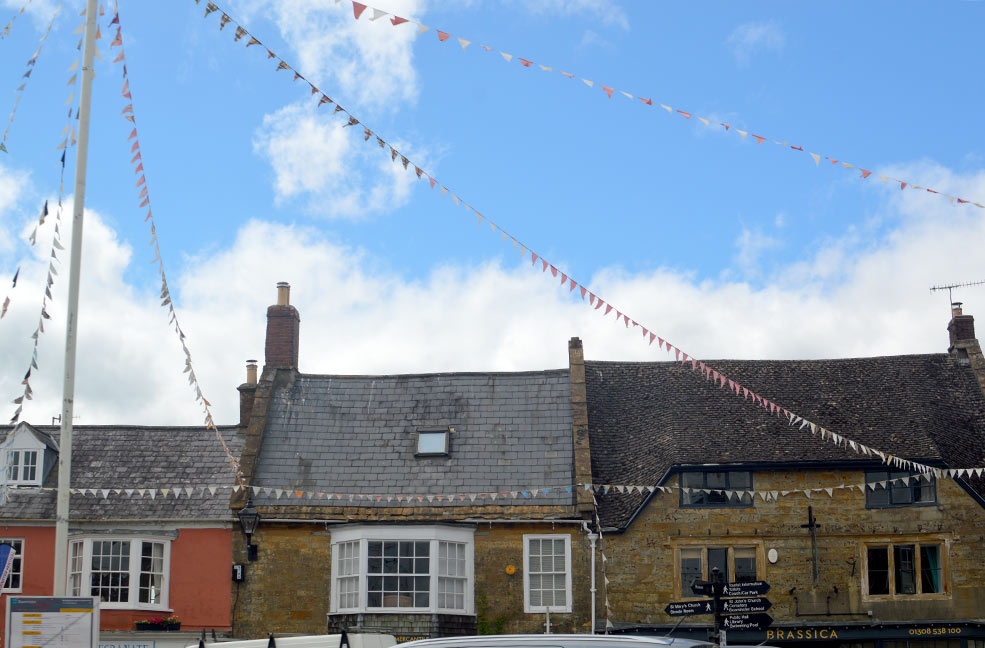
(727,247)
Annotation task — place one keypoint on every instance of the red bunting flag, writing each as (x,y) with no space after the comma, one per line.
(583,291)
(608,309)
(759,138)
(524,62)
(686,114)
(598,303)
(608,91)
(648,102)
(357,9)
(866,173)
(442,36)
(533,257)
(397,20)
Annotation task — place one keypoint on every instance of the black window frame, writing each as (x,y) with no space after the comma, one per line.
(743,501)
(893,490)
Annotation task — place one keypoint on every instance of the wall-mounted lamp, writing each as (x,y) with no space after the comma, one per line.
(249,519)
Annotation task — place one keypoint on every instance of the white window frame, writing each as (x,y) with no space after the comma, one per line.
(527,607)
(133,597)
(23,444)
(18,566)
(364,534)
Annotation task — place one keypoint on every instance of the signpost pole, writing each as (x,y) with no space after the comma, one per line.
(716,592)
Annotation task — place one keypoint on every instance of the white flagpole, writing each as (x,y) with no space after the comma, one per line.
(71,327)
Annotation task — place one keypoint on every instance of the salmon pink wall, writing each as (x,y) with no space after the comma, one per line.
(199,593)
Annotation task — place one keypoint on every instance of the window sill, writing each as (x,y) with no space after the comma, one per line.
(133,608)
(543,610)
(896,598)
(400,611)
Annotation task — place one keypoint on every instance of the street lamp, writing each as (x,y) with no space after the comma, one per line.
(249,519)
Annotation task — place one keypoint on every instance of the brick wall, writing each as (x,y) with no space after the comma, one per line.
(643,570)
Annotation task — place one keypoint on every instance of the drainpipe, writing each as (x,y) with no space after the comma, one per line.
(592,539)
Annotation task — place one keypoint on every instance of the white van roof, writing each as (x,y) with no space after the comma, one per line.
(554,641)
(365,640)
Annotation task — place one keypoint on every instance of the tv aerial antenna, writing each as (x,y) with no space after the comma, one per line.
(950,288)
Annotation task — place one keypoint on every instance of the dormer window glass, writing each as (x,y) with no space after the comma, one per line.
(22,467)
(432,442)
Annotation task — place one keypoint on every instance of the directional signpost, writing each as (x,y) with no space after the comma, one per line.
(743,609)
(751,588)
(745,605)
(756,621)
(687,608)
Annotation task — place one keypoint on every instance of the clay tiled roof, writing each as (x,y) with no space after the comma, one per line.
(648,419)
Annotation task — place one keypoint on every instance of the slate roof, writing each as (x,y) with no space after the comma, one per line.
(356,434)
(645,419)
(135,457)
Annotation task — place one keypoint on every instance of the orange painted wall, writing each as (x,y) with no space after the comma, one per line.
(201,563)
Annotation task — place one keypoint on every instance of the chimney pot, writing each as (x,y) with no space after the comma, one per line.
(956,308)
(283,293)
(251,372)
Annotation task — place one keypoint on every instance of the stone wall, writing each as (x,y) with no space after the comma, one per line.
(287,589)
(644,569)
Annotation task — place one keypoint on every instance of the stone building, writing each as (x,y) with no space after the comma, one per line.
(409,504)
(894,563)
(439,504)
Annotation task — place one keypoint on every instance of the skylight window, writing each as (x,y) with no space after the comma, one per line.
(432,442)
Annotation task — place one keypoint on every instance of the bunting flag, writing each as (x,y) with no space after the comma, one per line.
(10,23)
(31,62)
(290,492)
(56,246)
(143,196)
(686,361)
(443,36)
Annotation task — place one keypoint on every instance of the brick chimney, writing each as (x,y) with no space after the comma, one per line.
(247,392)
(283,330)
(964,345)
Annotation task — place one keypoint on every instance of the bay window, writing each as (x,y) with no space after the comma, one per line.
(402,569)
(125,573)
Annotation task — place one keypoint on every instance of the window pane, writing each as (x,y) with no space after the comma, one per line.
(739,480)
(110,571)
(904,569)
(878,560)
(718,557)
(151,573)
(930,569)
(745,564)
(546,572)
(431,442)
(13,581)
(900,491)
(690,570)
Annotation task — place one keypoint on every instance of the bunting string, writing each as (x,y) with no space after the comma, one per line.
(10,23)
(31,62)
(605,561)
(143,196)
(287,493)
(68,141)
(358,9)
(649,336)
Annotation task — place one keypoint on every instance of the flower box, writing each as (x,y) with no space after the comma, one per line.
(159,625)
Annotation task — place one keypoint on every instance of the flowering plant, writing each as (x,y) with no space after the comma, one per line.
(159,620)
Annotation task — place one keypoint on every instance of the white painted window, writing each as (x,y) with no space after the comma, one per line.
(125,573)
(402,569)
(15,579)
(22,467)
(547,573)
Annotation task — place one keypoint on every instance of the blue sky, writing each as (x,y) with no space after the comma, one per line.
(727,247)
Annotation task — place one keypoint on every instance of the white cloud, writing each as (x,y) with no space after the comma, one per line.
(858,295)
(751,245)
(368,63)
(753,37)
(337,171)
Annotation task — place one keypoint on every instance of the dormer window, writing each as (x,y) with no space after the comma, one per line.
(22,467)
(432,442)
